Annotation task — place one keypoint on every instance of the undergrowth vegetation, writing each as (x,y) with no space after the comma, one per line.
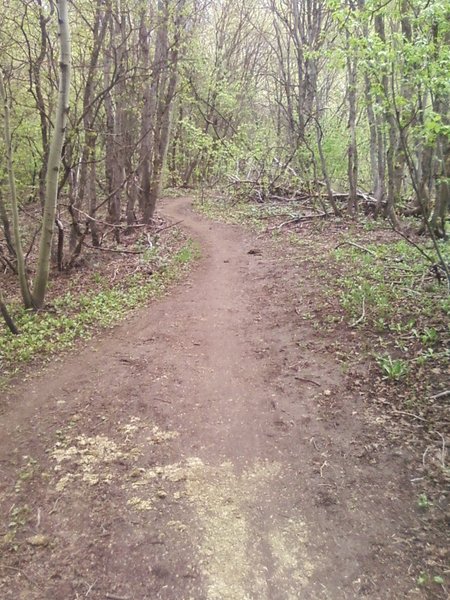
(73,315)
(387,286)
(393,289)
(256,216)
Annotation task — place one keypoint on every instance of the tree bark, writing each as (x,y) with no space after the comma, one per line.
(4,218)
(87,160)
(21,267)
(352,168)
(392,132)
(7,317)
(54,158)
(161,145)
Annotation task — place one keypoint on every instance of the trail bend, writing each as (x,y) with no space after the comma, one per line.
(206,449)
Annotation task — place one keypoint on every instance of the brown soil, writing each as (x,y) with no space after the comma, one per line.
(209,448)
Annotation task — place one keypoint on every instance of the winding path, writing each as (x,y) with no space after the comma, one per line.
(207,449)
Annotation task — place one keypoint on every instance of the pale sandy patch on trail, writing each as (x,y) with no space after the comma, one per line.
(238,560)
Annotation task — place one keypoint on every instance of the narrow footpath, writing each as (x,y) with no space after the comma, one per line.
(206,449)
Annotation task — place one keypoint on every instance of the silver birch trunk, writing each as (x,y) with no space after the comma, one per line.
(21,267)
(54,157)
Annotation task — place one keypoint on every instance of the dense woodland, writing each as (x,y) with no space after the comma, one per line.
(344,104)
(314,334)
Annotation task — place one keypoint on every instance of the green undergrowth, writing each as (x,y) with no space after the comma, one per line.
(72,316)
(241,213)
(392,289)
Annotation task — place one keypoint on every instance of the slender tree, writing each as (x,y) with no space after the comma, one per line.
(54,157)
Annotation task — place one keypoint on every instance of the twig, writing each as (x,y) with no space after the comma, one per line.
(363,316)
(32,242)
(440,395)
(168,226)
(21,573)
(7,317)
(410,241)
(90,589)
(116,251)
(54,506)
(443,449)
(408,414)
(114,597)
(307,380)
(298,220)
(401,412)
(7,262)
(112,225)
(363,248)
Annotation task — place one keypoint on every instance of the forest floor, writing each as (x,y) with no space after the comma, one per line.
(211,447)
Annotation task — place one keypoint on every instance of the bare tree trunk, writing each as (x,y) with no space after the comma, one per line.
(41,105)
(114,122)
(442,204)
(7,317)
(392,134)
(376,187)
(406,93)
(54,158)
(21,268)
(6,224)
(381,165)
(174,147)
(352,206)
(323,163)
(152,119)
(390,161)
(84,187)
(147,116)
(161,144)
(92,195)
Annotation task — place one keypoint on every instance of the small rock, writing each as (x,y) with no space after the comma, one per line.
(38,540)
(161,494)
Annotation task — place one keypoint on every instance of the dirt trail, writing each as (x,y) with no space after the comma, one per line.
(206,449)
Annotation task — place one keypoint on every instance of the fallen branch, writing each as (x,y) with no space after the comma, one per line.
(307,380)
(21,573)
(298,220)
(7,262)
(8,319)
(443,452)
(112,225)
(435,267)
(114,250)
(402,412)
(363,248)
(168,226)
(408,414)
(363,316)
(440,395)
